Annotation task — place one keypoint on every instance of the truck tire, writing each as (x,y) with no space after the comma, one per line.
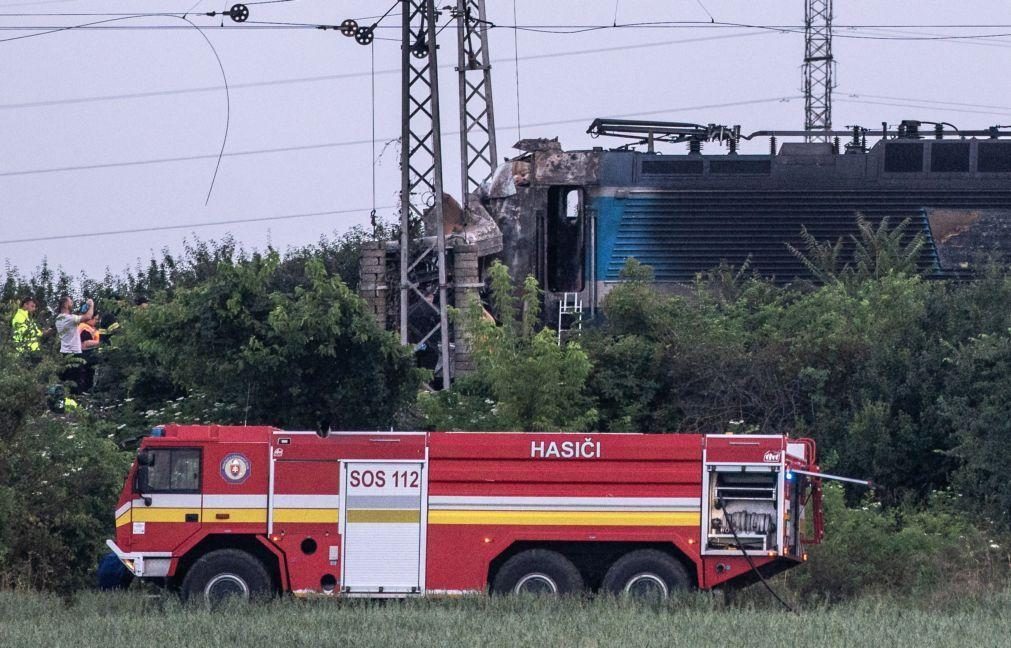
(646,574)
(538,571)
(226,573)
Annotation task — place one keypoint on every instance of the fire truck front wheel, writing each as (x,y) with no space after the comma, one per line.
(226,573)
(538,571)
(646,574)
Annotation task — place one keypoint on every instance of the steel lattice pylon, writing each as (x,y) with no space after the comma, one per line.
(421,177)
(478,154)
(818,68)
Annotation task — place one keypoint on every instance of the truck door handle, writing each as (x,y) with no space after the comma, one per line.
(192,517)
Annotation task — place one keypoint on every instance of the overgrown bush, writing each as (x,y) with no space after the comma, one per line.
(296,352)
(933,553)
(524,380)
(59,478)
(899,379)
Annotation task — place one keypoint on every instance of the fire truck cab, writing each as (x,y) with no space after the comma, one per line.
(216,511)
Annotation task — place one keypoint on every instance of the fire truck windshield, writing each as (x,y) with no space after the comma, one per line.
(170,470)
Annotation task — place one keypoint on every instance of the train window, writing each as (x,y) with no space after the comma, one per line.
(572,203)
(904,158)
(565,254)
(950,157)
(671,167)
(738,166)
(994,157)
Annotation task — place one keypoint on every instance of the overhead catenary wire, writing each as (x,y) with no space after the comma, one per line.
(516,58)
(842,31)
(228,109)
(36,3)
(46,31)
(711,19)
(221,68)
(84,14)
(516,68)
(163,228)
(920,104)
(327,145)
(924,106)
(349,75)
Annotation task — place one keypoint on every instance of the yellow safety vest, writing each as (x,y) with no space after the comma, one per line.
(26,333)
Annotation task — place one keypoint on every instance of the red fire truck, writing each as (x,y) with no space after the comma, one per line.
(217,511)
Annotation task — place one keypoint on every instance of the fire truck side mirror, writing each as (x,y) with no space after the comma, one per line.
(145,459)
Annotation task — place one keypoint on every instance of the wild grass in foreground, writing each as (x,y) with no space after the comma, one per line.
(135,619)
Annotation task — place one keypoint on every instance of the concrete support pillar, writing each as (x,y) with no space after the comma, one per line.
(466,286)
(372,280)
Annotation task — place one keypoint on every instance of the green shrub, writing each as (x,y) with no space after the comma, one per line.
(524,380)
(933,552)
(61,481)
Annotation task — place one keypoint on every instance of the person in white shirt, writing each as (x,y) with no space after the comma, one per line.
(70,340)
(66,325)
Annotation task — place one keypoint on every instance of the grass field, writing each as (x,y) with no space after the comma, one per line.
(135,619)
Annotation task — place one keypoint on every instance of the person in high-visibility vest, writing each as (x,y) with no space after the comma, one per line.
(24,329)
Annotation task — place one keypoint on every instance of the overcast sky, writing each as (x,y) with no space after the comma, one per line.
(91,98)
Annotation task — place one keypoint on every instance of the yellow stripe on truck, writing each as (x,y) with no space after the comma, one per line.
(234,516)
(383,516)
(242,516)
(162,514)
(567,518)
(329,516)
(305,515)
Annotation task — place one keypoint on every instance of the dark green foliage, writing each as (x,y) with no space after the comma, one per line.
(59,480)
(887,373)
(904,381)
(877,252)
(979,406)
(59,476)
(524,379)
(934,555)
(300,353)
(228,337)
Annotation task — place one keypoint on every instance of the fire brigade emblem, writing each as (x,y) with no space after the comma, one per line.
(235,468)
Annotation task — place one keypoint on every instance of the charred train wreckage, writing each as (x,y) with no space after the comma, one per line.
(573,218)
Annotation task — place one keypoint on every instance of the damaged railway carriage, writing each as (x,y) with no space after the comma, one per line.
(217,511)
(573,218)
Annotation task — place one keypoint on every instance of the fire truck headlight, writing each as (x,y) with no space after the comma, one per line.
(789,475)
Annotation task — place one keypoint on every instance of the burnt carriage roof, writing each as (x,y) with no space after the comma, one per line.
(688,213)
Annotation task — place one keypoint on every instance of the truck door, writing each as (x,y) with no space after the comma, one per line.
(166,508)
(383,514)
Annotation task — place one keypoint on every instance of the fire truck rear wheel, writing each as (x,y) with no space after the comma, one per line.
(538,571)
(646,574)
(226,573)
